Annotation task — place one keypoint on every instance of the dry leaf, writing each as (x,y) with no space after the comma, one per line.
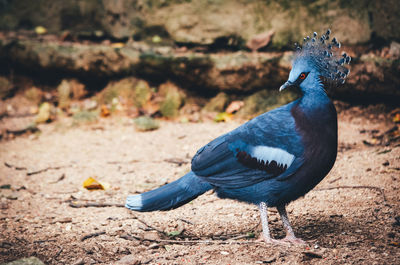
(260,40)
(40,30)
(396,118)
(105,111)
(234,106)
(223,116)
(92,184)
(118,45)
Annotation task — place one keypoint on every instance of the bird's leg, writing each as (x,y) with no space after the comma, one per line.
(266,236)
(290,237)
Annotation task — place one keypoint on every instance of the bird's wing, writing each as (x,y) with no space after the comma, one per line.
(266,147)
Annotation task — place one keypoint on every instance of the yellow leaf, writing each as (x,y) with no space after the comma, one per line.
(105,112)
(396,117)
(40,30)
(223,116)
(156,39)
(118,45)
(92,184)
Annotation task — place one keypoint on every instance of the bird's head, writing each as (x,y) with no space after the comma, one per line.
(317,60)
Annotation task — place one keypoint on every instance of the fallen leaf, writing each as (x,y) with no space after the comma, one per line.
(40,30)
(250,235)
(105,111)
(234,106)
(174,233)
(118,45)
(156,39)
(223,117)
(44,113)
(260,40)
(92,184)
(396,118)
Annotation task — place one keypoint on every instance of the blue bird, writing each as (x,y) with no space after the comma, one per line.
(274,158)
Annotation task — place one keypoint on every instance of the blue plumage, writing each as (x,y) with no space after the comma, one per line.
(274,158)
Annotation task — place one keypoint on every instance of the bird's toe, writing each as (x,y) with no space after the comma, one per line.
(272,241)
(294,240)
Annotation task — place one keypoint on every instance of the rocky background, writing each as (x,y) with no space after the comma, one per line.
(178,58)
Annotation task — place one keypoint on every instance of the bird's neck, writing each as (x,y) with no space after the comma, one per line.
(315,102)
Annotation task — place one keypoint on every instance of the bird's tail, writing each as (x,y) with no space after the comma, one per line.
(169,196)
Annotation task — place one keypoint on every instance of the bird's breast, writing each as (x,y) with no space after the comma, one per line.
(318,132)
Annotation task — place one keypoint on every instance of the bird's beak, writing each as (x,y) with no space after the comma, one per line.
(285,85)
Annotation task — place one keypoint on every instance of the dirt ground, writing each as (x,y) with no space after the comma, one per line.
(351,217)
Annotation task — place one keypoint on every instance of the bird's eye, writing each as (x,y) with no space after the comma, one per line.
(302,76)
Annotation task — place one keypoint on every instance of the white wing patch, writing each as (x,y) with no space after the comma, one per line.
(266,153)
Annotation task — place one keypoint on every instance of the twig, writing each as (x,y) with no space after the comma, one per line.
(149,226)
(95,204)
(183,242)
(185,221)
(92,235)
(59,252)
(128,172)
(29,173)
(22,115)
(177,161)
(333,181)
(45,240)
(122,162)
(380,190)
(59,179)
(22,131)
(14,167)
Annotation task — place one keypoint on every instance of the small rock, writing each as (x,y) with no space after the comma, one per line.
(5,87)
(44,114)
(142,94)
(260,40)
(172,99)
(151,235)
(144,123)
(394,50)
(217,103)
(63,220)
(34,95)
(153,246)
(128,260)
(225,253)
(386,163)
(79,262)
(89,104)
(64,92)
(234,106)
(25,261)
(266,261)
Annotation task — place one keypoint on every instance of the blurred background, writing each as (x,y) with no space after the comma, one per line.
(182,59)
(81,80)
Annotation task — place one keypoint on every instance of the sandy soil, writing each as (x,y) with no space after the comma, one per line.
(351,217)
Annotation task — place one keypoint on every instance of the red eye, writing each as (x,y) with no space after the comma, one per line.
(302,76)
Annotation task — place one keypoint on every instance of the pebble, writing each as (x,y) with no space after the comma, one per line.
(129,260)
(224,253)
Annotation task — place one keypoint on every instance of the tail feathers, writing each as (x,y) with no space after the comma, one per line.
(169,196)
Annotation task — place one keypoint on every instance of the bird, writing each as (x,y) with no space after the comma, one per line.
(276,157)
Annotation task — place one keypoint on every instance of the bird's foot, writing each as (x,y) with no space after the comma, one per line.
(294,240)
(272,241)
(287,241)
